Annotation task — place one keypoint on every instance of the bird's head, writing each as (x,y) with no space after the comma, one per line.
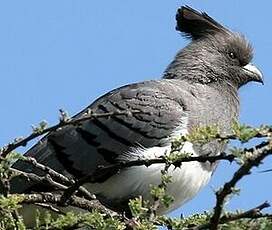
(215,54)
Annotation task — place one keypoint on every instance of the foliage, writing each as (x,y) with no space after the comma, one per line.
(144,213)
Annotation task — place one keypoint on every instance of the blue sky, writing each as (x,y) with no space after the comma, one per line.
(64,54)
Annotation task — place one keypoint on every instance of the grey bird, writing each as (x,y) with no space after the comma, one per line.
(198,88)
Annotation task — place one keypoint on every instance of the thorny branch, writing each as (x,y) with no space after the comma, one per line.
(55,176)
(44,180)
(63,122)
(254,213)
(259,152)
(75,201)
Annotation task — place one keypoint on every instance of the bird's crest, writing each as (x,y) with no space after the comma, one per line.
(195,24)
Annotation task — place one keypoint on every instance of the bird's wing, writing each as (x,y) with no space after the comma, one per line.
(79,149)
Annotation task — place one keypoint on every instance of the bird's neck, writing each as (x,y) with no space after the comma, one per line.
(228,88)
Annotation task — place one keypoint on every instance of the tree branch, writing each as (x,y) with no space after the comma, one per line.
(254,213)
(94,177)
(54,198)
(56,176)
(259,152)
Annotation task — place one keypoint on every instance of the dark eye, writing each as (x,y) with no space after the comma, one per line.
(232,55)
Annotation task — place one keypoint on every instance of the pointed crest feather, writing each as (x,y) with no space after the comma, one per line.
(195,24)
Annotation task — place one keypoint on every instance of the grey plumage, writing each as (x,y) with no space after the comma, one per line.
(198,88)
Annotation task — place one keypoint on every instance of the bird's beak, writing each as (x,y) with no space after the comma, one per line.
(254,73)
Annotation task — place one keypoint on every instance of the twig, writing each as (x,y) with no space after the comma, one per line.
(260,152)
(5,184)
(87,116)
(254,213)
(157,200)
(54,198)
(251,213)
(94,177)
(50,208)
(58,176)
(45,180)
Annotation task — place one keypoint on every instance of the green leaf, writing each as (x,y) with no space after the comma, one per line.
(243,132)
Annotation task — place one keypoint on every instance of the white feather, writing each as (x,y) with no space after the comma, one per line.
(186,180)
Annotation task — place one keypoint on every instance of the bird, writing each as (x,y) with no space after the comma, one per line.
(199,88)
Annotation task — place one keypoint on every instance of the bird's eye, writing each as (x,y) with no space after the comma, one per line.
(232,55)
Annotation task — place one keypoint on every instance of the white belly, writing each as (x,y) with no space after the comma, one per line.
(186,180)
